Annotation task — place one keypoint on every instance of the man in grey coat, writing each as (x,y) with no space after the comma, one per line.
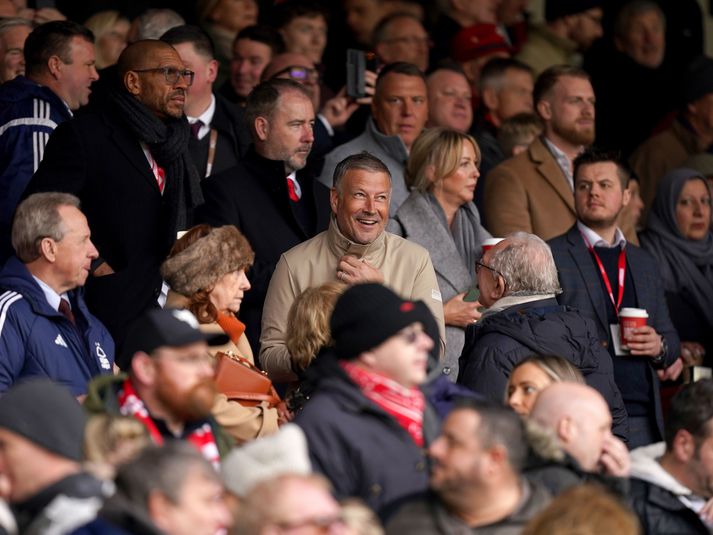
(399,111)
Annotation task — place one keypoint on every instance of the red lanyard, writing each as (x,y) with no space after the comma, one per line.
(621,267)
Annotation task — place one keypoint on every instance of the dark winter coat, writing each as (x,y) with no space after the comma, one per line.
(502,340)
(361,449)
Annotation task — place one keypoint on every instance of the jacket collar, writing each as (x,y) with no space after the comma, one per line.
(550,171)
(391,145)
(16,277)
(340,245)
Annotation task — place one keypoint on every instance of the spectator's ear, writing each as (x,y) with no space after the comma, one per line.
(544,109)
(132,82)
(212,70)
(490,98)
(143,368)
(262,128)
(54,66)
(566,430)
(684,446)
(159,508)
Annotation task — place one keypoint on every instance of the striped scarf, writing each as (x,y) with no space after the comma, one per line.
(405,405)
(130,404)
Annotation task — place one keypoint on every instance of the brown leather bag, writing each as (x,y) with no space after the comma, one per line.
(240,380)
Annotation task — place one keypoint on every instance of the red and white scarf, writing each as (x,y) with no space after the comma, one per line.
(405,405)
(130,404)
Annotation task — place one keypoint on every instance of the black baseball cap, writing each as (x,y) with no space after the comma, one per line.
(164,327)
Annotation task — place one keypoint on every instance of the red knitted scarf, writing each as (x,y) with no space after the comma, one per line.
(130,404)
(405,405)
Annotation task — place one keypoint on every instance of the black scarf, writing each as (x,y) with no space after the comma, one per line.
(168,143)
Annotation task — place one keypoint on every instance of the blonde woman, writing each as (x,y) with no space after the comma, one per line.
(442,172)
(110,30)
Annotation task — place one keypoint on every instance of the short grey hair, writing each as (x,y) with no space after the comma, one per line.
(527,265)
(13,22)
(37,217)
(363,160)
(163,469)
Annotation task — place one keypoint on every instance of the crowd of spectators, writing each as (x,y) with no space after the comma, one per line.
(251,285)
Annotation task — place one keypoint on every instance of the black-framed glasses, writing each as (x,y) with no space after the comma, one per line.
(299,74)
(171,74)
(479,265)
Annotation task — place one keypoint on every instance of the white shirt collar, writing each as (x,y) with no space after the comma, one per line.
(206,117)
(595,240)
(562,160)
(53,298)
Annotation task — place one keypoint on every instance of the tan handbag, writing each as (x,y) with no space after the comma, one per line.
(240,380)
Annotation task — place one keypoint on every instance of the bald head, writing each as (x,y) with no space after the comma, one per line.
(153,72)
(580,418)
(139,55)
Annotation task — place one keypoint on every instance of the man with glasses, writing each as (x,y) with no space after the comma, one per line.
(518,284)
(402,37)
(129,164)
(169,387)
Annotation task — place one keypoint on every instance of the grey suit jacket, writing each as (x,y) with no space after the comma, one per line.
(416,221)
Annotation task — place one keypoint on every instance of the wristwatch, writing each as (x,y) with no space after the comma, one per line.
(658,359)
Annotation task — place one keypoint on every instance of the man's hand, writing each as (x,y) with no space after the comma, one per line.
(615,458)
(369,87)
(672,372)
(645,342)
(102,269)
(461,313)
(337,110)
(353,270)
(48,14)
(692,354)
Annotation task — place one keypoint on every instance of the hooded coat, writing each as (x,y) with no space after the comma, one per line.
(658,499)
(502,340)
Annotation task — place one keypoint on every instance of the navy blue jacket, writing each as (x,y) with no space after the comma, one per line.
(581,289)
(361,449)
(29,113)
(499,342)
(36,340)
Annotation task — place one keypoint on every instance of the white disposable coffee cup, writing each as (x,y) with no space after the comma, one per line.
(630,319)
(490,243)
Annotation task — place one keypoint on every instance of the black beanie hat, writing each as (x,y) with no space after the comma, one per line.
(368,314)
(556,9)
(698,79)
(46,414)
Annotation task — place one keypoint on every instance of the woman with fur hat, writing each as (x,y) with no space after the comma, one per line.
(206,272)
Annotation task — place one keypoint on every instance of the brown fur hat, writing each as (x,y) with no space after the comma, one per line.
(203,255)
